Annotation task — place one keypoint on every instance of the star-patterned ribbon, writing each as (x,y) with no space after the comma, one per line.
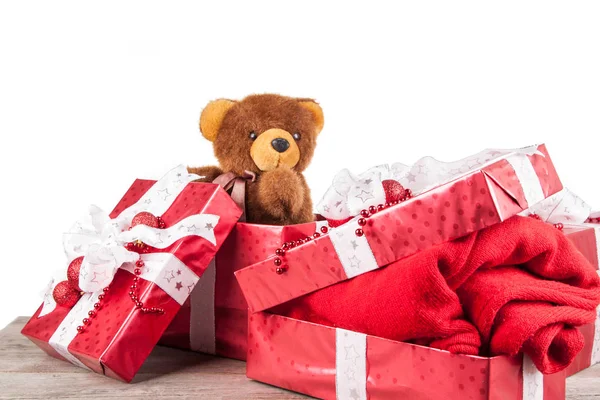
(563,207)
(101,239)
(349,193)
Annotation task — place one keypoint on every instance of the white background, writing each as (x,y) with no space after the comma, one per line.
(93,95)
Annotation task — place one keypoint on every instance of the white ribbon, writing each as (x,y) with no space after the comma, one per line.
(354,252)
(564,207)
(533,380)
(349,193)
(350,365)
(101,239)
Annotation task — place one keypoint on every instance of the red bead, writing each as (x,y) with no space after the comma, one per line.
(96,305)
(85,320)
(299,242)
(131,294)
(135,278)
(280,252)
(316,235)
(285,246)
(145,218)
(380,207)
(359,232)
(100,296)
(138,304)
(362,221)
(279,270)
(307,239)
(372,209)
(80,329)
(91,313)
(277,262)
(139,263)
(73,272)
(324,229)
(105,290)
(137,271)
(364,214)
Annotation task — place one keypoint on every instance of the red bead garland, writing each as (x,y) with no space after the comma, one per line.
(92,313)
(558,225)
(592,220)
(278,261)
(139,247)
(133,293)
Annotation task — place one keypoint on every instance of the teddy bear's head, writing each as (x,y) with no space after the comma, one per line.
(262,132)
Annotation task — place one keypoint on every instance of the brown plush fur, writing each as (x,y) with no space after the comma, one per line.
(280,195)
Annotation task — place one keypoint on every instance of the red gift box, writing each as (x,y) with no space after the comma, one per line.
(328,362)
(119,336)
(214,319)
(586,238)
(331,363)
(478,198)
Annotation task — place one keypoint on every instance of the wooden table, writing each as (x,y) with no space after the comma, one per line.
(26,372)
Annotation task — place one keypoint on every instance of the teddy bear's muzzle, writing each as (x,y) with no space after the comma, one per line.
(274,148)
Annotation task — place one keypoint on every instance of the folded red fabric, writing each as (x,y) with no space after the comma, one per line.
(522,285)
(408,302)
(526,287)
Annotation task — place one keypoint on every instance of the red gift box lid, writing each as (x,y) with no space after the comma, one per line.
(481,196)
(119,336)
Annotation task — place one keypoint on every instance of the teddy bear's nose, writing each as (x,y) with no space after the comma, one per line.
(280,145)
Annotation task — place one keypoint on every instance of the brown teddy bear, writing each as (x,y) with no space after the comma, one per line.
(273,137)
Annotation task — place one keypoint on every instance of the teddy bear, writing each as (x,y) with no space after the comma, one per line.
(270,138)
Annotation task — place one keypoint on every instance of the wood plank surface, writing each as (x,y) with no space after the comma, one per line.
(26,372)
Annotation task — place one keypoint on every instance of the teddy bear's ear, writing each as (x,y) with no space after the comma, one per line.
(316,110)
(212,117)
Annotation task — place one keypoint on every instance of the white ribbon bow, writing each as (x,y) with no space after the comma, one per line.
(349,193)
(100,239)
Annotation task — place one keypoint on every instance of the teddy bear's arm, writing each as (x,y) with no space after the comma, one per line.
(207,174)
(281,193)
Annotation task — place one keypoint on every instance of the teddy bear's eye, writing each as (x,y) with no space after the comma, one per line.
(296,136)
(252,135)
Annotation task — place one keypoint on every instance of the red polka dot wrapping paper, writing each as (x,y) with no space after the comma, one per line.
(322,362)
(191,327)
(479,198)
(119,338)
(311,359)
